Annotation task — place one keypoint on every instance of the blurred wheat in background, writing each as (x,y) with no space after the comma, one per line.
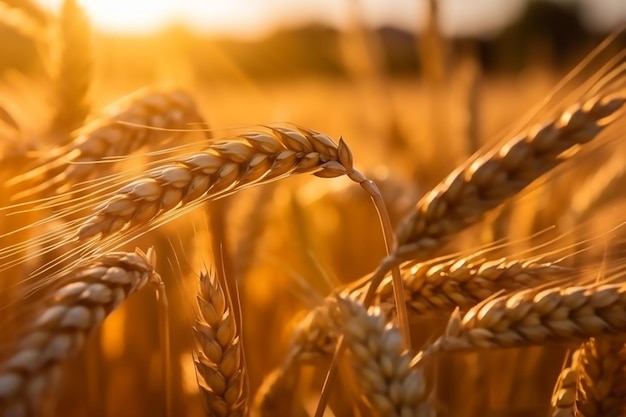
(312,220)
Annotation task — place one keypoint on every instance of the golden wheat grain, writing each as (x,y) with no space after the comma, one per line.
(488,180)
(222,169)
(72,72)
(219,362)
(537,317)
(64,318)
(383,370)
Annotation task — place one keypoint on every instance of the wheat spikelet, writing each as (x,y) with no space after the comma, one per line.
(383,370)
(220,363)
(222,169)
(488,180)
(72,75)
(64,318)
(564,396)
(440,287)
(142,118)
(536,317)
(601,387)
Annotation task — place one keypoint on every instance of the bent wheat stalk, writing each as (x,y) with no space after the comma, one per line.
(220,363)
(84,299)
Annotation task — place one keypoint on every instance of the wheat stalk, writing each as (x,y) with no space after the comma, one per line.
(220,362)
(536,317)
(85,297)
(383,370)
(488,180)
(72,73)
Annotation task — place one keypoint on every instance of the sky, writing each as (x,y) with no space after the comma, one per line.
(251,18)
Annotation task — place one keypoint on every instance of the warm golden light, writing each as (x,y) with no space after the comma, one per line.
(249,18)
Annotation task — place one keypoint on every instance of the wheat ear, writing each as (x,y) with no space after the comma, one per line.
(222,169)
(440,287)
(220,363)
(147,116)
(488,180)
(83,300)
(314,337)
(383,370)
(536,317)
(72,75)
(601,387)
(436,287)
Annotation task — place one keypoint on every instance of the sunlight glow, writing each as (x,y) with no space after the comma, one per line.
(251,18)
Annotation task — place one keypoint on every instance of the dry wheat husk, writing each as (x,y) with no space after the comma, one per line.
(62,320)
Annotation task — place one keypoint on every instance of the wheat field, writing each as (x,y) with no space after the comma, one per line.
(175,244)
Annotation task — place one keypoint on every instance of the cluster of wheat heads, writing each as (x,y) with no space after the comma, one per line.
(115,180)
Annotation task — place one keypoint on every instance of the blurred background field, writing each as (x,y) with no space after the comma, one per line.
(413,96)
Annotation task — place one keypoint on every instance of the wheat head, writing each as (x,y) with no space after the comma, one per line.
(488,180)
(63,319)
(219,362)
